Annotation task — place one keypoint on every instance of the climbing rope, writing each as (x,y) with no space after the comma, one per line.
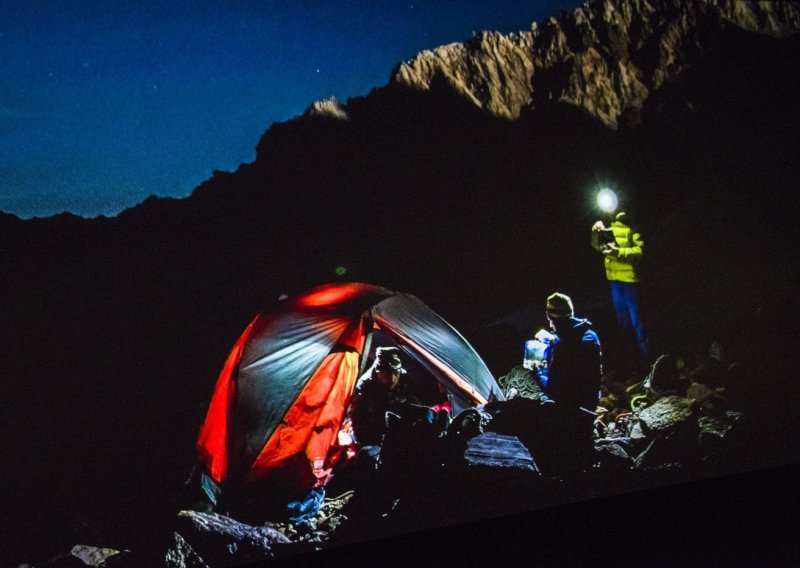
(521,380)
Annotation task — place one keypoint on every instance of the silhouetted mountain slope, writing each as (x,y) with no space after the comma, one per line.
(114,329)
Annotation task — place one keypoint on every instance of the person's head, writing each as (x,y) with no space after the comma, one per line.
(388,366)
(559,309)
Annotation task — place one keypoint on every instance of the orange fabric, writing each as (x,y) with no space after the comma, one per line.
(354,335)
(330,295)
(212,443)
(312,423)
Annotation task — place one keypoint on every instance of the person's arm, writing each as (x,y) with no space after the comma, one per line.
(596,228)
(633,252)
(364,417)
(404,397)
(593,371)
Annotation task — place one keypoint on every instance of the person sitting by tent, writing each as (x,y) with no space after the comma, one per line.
(397,427)
(574,363)
(385,387)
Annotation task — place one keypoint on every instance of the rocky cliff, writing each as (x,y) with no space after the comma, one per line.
(605,58)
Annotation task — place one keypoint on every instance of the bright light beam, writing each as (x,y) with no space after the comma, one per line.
(607,200)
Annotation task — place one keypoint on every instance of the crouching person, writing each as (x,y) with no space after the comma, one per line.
(391,424)
(383,388)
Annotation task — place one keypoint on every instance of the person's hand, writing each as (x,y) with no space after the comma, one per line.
(321,474)
(611,250)
(598,226)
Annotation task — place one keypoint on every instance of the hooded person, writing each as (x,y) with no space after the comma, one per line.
(574,365)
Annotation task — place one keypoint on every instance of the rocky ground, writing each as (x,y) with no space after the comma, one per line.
(680,423)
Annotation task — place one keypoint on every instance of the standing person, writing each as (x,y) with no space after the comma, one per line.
(574,369)
(622,247)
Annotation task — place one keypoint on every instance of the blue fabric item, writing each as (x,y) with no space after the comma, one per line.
(300,511)
(210,488)
(626,305)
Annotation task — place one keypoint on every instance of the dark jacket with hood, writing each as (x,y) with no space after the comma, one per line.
(574,366)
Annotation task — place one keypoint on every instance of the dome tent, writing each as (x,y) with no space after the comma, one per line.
(283,392)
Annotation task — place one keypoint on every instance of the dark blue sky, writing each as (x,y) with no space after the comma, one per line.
(103,103)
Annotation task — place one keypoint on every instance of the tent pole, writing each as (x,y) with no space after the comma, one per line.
(367,345)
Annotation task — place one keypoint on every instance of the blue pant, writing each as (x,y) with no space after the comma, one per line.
(624,296)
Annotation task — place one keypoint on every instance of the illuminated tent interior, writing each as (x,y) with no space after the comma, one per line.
(283,392)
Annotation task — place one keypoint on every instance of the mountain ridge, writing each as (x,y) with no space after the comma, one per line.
(608,56)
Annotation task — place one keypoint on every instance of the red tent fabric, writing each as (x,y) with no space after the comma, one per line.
(283,392)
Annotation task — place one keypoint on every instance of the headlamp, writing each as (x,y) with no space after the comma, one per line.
(607,200)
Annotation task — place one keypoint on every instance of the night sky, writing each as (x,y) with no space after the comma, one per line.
(105,103)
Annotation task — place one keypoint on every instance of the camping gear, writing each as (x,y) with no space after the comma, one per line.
(303,510)
(282,395)
(535,355)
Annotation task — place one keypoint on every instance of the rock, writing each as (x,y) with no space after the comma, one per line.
(714,426)
(635,431)
(714,430)
(670,427)
(666,413)
(611,453)
(182,555)
(664,378)
(497,450)
(642,458)
(92,555)
(221,541)
(708,399)
(330,108)
(493,71)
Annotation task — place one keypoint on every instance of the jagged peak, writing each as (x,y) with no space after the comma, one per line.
(491,69)
(605,57)
(330,108)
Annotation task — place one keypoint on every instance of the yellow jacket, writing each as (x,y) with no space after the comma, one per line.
(631,245)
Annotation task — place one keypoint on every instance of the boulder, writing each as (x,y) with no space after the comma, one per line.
(669,426)
(221,541)
(666,413)
(182,555)
(498,450)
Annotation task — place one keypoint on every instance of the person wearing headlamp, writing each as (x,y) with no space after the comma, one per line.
(622,247)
